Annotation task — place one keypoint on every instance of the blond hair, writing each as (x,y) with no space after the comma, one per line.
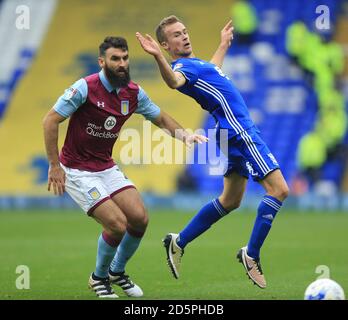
(165,22)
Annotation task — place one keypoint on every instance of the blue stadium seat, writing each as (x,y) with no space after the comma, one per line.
(7,88)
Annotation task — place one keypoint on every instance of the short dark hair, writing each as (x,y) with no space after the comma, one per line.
(165,22)
(113,42)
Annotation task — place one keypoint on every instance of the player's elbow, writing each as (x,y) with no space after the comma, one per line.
(52,118)
(177,82)
(172,84)
(45,121)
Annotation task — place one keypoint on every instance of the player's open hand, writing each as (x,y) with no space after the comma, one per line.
(195,138)
(227,34)
(148,44)
(56,179)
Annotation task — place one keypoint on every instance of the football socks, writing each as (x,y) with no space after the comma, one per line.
(107,247)
(125,251)
(267,211)
(201,222)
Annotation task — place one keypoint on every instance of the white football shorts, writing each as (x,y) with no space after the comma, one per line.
(91,189)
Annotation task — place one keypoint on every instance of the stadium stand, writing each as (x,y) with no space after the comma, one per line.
(20,41)
(68,52)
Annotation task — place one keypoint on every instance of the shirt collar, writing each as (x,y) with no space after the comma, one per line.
(106,82)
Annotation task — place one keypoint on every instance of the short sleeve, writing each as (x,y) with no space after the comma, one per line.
(146,107)
(188,69)
(72,98)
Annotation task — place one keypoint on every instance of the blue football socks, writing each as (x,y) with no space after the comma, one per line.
(125,251)
(107,247)
(201,222)
(267,211)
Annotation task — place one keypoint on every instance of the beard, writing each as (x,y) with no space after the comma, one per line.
(116,78)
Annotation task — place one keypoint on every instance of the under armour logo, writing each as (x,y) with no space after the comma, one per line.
(100,104)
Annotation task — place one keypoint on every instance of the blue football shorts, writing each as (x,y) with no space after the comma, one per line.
(248,155)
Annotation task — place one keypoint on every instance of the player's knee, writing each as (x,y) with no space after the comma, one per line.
(285,192)
(145,220)
(233,206)
(230,204)
(118,227)
(281,192)
(141,221)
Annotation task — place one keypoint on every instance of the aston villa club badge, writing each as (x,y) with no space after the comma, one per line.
(124,107)
(94,193)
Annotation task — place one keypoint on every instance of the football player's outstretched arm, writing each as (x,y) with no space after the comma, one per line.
(56,175)
(226,40)
(167,123)
(172,79)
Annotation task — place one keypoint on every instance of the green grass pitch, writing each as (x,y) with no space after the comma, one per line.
(60,248)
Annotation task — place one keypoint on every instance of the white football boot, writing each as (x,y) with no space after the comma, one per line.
(127,285)
(102,288)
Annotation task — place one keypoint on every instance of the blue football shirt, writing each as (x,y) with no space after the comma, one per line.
(215,92)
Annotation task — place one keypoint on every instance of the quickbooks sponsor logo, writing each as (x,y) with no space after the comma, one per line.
(93,130)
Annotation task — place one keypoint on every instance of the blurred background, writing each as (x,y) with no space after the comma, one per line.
(288,59)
